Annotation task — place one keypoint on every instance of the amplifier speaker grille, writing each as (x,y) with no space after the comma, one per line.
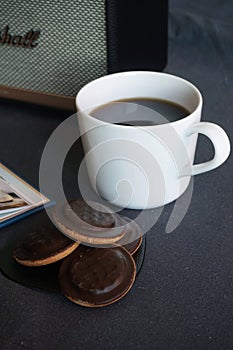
(50,49)
(63,60)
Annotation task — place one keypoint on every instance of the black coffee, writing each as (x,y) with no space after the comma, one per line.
(140,112)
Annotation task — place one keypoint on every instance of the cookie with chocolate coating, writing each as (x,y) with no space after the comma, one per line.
(43,246)
(132,238)
(90,223)
(96,277)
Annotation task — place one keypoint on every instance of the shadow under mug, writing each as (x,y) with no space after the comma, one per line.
(142,167)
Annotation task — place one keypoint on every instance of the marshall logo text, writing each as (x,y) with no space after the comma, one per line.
(27,41)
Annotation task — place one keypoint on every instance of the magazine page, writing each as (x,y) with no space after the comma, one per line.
(16,195)
(19,186)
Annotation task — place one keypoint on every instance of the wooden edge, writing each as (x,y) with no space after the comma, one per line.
(38,97)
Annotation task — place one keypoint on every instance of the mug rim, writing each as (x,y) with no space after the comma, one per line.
(140,73)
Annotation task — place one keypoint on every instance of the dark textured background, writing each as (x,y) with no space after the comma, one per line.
(183,297)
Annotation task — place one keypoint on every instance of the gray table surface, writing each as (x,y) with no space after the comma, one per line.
(182,299)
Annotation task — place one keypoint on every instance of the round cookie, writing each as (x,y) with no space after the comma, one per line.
(132,239)
(43,247)
(96,277)
(95,224)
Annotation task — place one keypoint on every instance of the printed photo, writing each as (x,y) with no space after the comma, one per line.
(17,196)
(10,200)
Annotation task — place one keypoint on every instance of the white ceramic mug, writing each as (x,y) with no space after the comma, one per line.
(144,167)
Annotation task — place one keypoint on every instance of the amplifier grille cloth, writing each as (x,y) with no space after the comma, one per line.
(71,51)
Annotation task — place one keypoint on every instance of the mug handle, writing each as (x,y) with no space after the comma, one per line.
(220,142)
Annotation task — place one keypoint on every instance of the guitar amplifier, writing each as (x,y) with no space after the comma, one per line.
(50,49)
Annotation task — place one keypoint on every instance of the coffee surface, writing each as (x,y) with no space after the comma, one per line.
(140,112)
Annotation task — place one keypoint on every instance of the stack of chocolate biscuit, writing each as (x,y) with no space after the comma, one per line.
(96,273)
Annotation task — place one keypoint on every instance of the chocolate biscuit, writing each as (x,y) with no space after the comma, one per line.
(96,277)
(132,239)
(91,223)
(43,247)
